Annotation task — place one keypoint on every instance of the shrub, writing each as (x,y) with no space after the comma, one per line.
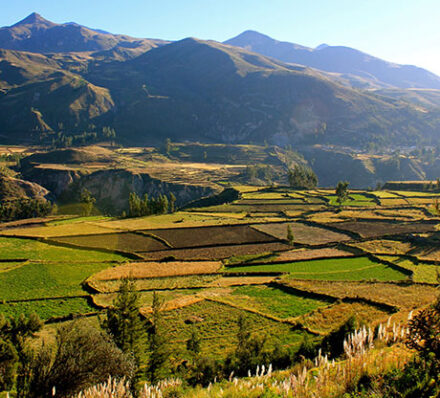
(81,357)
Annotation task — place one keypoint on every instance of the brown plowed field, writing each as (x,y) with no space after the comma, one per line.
(376,229)
(211,236)
(216,252)
(127,242)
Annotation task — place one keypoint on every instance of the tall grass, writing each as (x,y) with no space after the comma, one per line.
(365,355)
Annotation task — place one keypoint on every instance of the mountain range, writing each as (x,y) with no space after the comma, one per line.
(359,69)
(69,78)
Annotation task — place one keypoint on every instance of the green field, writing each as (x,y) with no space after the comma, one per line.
(15,248)
(218,325)
(49,308)
(422,273)
(37,280)
(353,200)
(272,300)
(350,269)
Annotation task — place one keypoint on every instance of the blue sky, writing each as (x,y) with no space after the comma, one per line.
(402,31)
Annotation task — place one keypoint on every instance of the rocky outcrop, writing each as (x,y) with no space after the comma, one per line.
(111,187)
(14,188)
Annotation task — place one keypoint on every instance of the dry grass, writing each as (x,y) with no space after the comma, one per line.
(422,201)
(404,297)
(156,270)
(392,247)
(241,281)
(393,202)
(80,228)
(411,214)
(171,283)
(329,318)
(305,254)
(175,220)
(325,217)
(302,233)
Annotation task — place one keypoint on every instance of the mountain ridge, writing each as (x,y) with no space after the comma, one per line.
(339,59)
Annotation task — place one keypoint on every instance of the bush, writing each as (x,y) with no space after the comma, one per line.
(81,357)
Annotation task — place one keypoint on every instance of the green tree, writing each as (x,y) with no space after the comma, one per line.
(250,351)
(167,146)
(341,192)
(290,235)
(123,321)
(194,342)
(88,201)
(172,202)
(302,177)
(15,333)
(157,368)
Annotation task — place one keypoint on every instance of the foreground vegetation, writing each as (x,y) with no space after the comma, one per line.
(266,280)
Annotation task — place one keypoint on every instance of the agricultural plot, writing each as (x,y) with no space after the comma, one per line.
(422,273)
(408,213)
(210,236)
(312,254)
(377,229)
(15,248)
(423,251)
(273,301)
(47,309)
(353,200)
(175,220)
(40,280)
(162,284)
(217,325)
(384,194)
(67,229)
(272,195)
(302,233)
(216,252)
(349,269)
(270,202)
(264,208)
(394,202)
(404,297)
(324,320)
(211,265)
(422,201)
(142,270)
(145,298)
(128,242)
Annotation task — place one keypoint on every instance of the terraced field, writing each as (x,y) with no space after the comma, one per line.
(374,257)
(352,269)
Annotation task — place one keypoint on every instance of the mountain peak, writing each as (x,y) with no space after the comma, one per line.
(321,46)
(34,19)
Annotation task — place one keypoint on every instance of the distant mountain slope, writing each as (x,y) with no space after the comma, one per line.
(342,60)
(36,34)
(196,90)
(204,90)
(426,98)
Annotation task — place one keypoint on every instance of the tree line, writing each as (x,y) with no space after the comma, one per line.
(146,206)
(25,208)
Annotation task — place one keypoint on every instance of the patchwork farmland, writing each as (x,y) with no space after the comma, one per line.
(374,257)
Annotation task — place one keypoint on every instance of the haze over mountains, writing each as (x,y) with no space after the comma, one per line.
(69,78)
(362,70)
